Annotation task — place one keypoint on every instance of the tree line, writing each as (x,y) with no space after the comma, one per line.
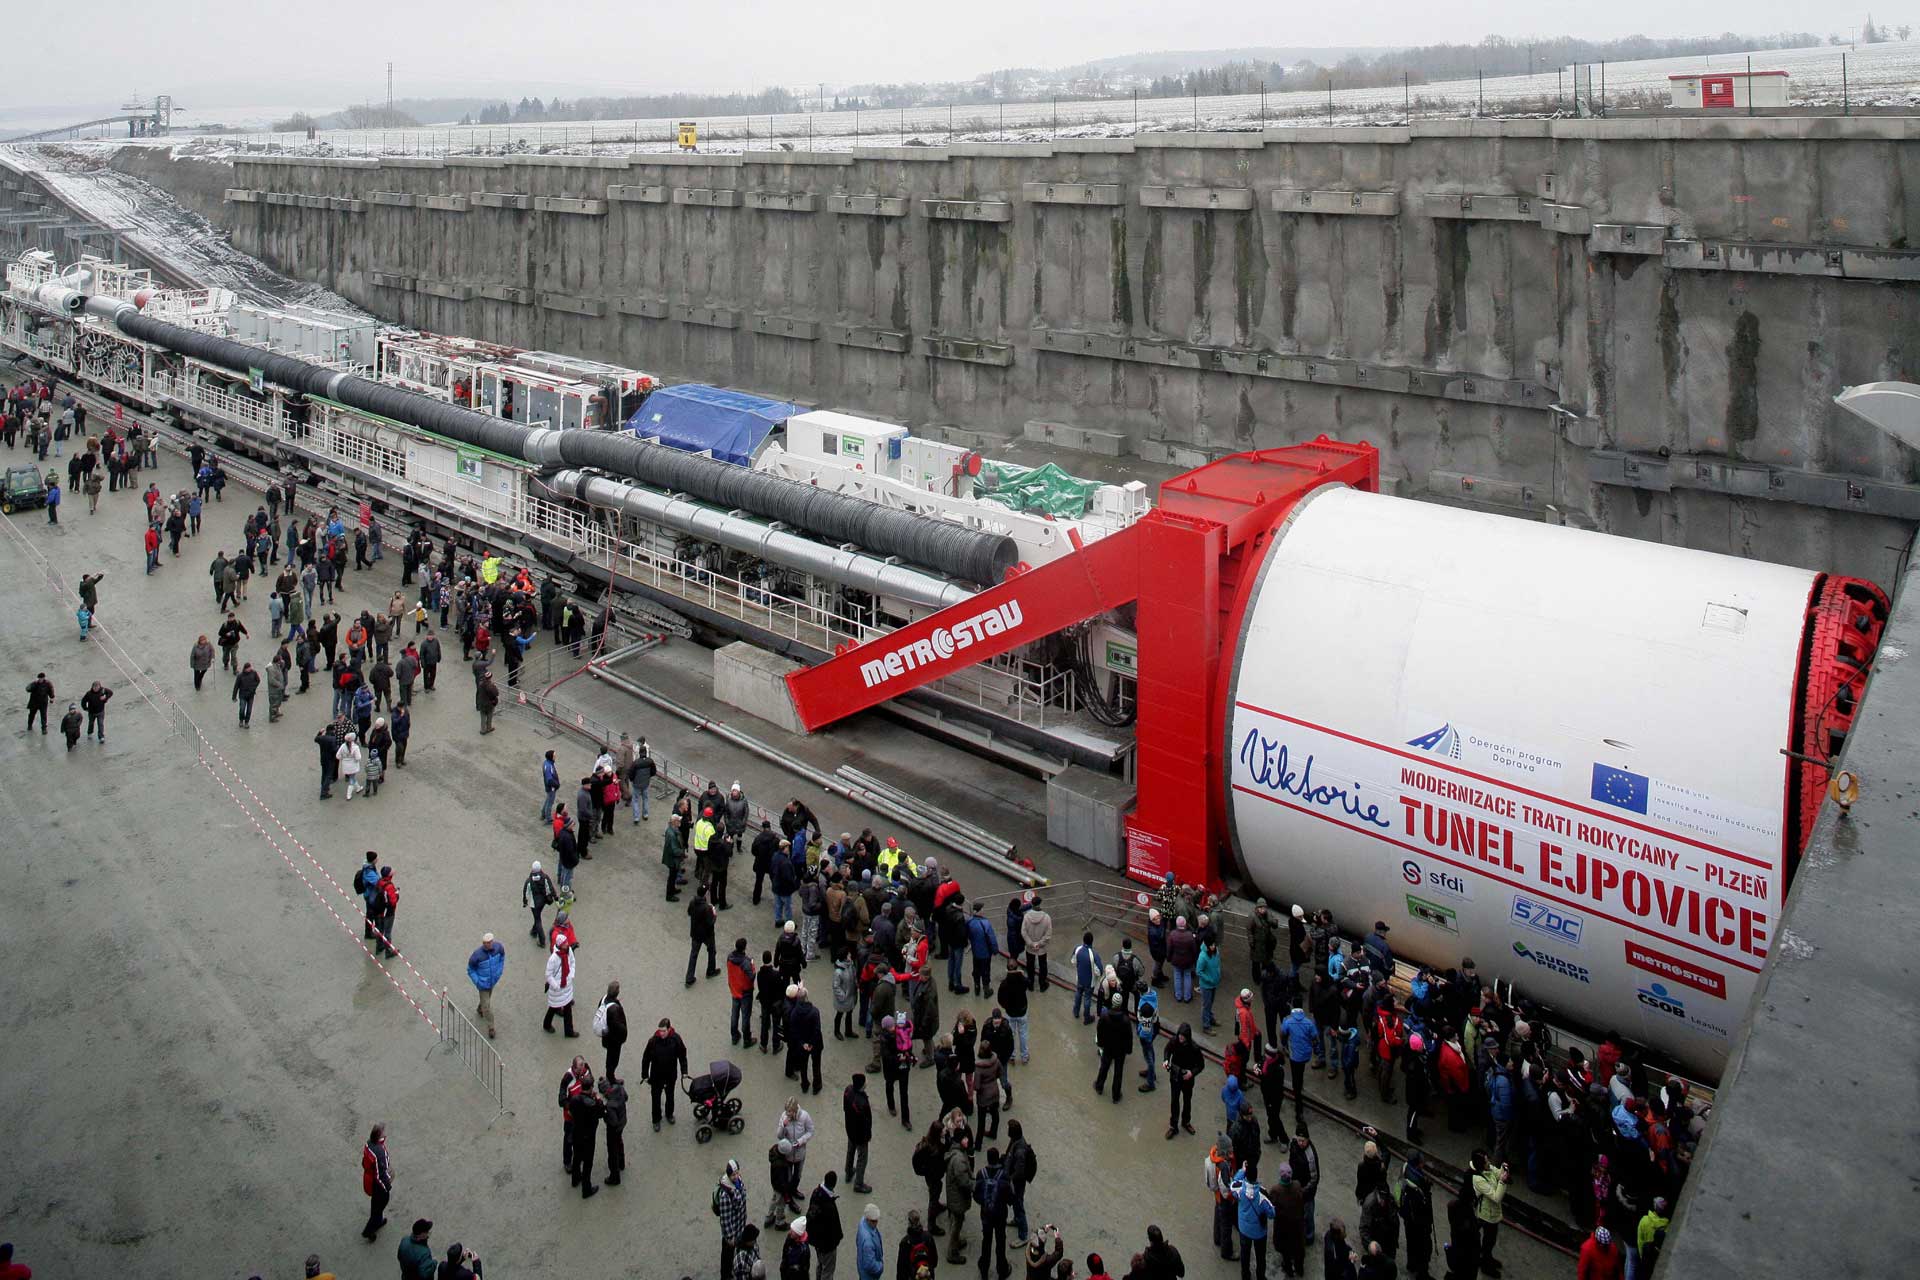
(1495,55)
(530,110)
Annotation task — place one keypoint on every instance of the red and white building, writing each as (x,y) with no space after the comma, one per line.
(1727,90)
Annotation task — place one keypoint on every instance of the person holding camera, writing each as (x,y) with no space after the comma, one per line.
(1489,1189)
(462,1264)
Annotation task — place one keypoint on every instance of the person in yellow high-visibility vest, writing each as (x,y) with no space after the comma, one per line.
(703,832)
(893,856)
(490,569)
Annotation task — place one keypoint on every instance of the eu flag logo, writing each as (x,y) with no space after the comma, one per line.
(1621,788)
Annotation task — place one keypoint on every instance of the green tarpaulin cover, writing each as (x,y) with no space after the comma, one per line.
(1043,490)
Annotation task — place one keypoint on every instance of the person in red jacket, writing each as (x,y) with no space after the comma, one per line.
(1601,1258)
(1389,1033)
(153,547)
(11,1270)
(1456,1083)
(376,1179)
(740,989)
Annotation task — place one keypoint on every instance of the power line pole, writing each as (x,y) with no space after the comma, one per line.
(389,91)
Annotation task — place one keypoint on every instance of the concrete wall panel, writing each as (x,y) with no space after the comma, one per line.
(925,308)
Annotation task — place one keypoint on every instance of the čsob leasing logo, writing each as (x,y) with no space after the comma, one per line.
(1547,919)
(1444,741)
(1656,996)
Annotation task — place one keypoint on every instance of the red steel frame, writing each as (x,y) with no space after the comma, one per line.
(1191,563)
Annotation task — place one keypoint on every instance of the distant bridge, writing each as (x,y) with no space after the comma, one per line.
(141,118)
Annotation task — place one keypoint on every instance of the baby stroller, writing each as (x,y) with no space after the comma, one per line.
(714,1106)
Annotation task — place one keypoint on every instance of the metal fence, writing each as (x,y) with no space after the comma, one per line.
(669,776)
(459,1034)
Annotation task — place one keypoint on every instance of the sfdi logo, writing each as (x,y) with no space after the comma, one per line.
(1448,884)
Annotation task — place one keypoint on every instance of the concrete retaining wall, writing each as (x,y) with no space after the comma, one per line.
(1688,290)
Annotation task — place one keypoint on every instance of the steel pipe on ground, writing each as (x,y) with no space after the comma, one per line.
(859,795)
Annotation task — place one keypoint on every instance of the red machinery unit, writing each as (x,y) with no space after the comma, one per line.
(1192,561)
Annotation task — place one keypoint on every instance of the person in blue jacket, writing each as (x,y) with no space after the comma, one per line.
(1087,968)
(1302,1036)
(1147,1027)
(1255,1210)
(484,967)
(549,779)
(870,1249)
(985,946)
(1206,971)
(1231,1097)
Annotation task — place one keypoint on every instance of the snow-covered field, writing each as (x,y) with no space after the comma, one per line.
(1877,76)
(152,221)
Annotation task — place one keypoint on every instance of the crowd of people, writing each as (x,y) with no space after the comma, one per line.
(879,933)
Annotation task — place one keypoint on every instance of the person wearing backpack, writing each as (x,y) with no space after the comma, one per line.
(535,894)
(366,883)
(610,1024)
(1650,1236)
(993,1192)
(1219,1179)
(1416,1213)
(1253,1210)
(917,1250)
(1147,1029)
(929,1165)
(1023,1166)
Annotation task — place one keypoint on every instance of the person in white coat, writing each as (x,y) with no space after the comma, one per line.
(560,979)
(349,755)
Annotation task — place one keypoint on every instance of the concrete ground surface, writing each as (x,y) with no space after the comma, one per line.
(195,1046)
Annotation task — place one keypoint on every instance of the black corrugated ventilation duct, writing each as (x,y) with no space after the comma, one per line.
(967,554)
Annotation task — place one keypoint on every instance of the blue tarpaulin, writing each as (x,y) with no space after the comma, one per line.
(730,424)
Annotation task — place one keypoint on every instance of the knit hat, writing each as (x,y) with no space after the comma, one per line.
(787,927)
(1299,912)
(1602,1235)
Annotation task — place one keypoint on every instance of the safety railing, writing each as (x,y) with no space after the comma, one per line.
(1002,686)
(670,776)
(262,415)
(1080,905)
(470,1044)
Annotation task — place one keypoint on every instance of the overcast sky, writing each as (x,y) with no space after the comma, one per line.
(237,53)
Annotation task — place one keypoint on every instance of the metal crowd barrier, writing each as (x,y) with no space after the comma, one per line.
(459,1034)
